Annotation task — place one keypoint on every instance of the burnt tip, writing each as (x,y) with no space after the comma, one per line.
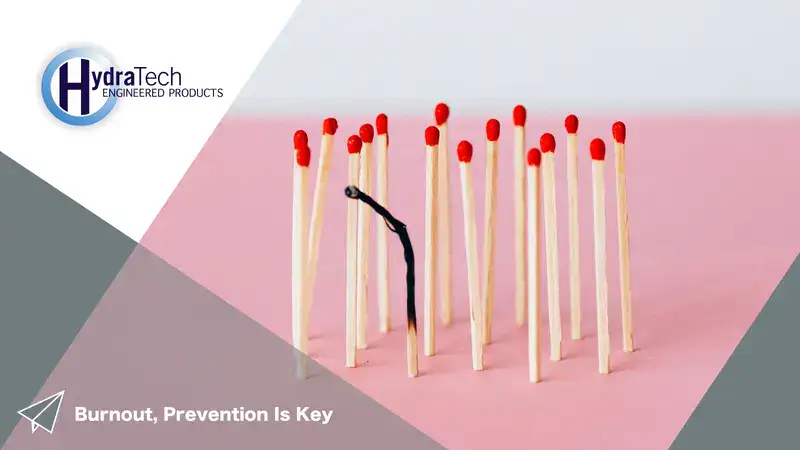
(351,191)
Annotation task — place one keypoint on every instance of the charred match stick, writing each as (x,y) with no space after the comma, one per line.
(382,127)
(548,144)
(431,175)
(329,127)
(618,131)
(534,269)
(571,124)
(441,114)
(597,149)
(354,145)
(400,229)
(300,247)
(520,115)
(366,133)
(464,151)
(492,135)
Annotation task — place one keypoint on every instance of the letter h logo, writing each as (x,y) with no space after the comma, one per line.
(83,86)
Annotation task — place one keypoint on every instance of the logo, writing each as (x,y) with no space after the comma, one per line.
(44,413)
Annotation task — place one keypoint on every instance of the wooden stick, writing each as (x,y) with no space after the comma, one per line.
(354,145)
(548,144)
(598,152)
(431,175)
(300,253)
(520,293)
(366,133)
(464,151)
(534,266)
(492,135)
(329,127)
(382,127)
(571,124)
(441,113)
(619,132)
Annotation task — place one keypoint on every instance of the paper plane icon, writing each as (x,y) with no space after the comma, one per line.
(44,413)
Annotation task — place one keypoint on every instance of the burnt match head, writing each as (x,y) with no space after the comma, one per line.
(300,139)
(354,144)
(464,151)
(366,133)
(382,124)
(441,113)
(548,143)
(329,126)
(303,156)
(597,148)
(520,116)
(618,131)
(534,157)
(431,136)
(571,124)
(492,130)
(351,192)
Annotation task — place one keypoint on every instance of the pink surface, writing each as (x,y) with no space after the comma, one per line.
(712,233)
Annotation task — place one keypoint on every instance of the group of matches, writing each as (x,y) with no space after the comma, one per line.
(534,195)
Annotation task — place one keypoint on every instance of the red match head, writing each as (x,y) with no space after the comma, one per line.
(300,139)
(492,130)
(354,144)
(571,124)
(534,157)
(597,148)
(548,143)
(441,113)
(303,156)
(431,136)
(382,124)
(520,115)
(464,151)
(329,126)
(618,131)
(366,133)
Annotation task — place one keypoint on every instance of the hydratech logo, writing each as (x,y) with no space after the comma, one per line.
(81,86)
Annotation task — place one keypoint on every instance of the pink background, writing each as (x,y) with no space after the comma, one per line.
(712,233)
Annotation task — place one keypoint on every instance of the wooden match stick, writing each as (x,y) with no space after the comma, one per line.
(534,268)
(382,127)
(490,208)
(597,149)
(548,145)
(431,175)
(619,132)
(300,248)
(520,115)
(329,127)
(571,124)
(354,145)
(464,151)
(366,133)
(441,114)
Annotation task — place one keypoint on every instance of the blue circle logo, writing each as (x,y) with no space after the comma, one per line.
(74,89)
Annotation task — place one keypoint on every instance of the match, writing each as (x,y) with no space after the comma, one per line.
(520,116)
(300,248)
(490,210)
(571,124)
(354,145)
(441,114)
(534,269)
(619,132)
(431,175)
(597,149)
(366,133)
(548,144)
(382,188)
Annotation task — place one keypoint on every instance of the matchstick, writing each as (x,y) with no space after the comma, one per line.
(354,145)
(597,149)
(329,127)
(548,145)
(534,268)
(431,175)
(366,133)
(571,124)
(618,130)
(492,135)
(382,127)
(464,151)
(520,115)
(300,248)
(441,114)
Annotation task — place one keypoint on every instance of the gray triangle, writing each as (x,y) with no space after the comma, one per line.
(752,404)
(33,411)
